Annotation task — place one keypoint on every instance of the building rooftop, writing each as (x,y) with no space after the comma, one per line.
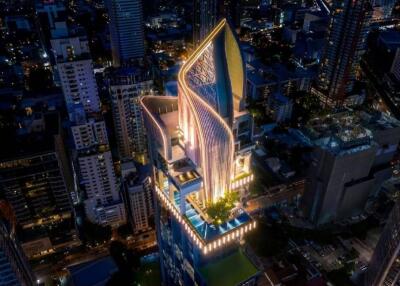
(347,131)
(96,272)
(239,267)
(390,39)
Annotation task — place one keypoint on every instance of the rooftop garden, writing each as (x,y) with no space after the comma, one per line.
(219,212)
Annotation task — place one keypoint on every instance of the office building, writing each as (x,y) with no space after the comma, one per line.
(36,181)
(346,42)
(14,267)
(336,190)
(127,85)
(384,266)
(75,69)
(199,145)
(126,30)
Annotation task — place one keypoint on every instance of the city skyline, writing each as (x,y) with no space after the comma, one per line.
(199,142)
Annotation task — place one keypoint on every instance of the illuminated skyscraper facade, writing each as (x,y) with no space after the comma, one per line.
(384,267)
(200,145)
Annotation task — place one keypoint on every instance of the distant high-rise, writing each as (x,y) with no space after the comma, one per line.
(95,171)
(126,30)
(231,10)
(75,68)
(384,267)
(139,196)
(207,13)
(127,85)
(14,267)
(345,44)
(204,19)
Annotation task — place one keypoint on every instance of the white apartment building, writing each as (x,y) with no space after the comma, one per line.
(75,69)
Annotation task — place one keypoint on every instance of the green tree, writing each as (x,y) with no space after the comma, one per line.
(220,211)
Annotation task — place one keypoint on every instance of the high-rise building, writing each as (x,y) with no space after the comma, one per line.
(336,190)
(35,179)
(34,184)
(384,267)
(231,10)
(204,19)
(199,145)
(207,13)
(139,198)
(126,30)
(95,171)
(75,69)
(346,42)
(14,267)
(91,155)
(127,85)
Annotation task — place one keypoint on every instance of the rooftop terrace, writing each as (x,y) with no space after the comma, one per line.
(239,267)
(338,132)
(206,235)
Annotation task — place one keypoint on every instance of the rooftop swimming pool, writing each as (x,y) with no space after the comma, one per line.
(206,230)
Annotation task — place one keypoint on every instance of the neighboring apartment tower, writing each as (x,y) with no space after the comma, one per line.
(95,169)
(127,85)
(14,267)
(336,190)
(199,145)
(75,69)
(384,267)
(92,157)
(139,197)
(126,30)
(345,45)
